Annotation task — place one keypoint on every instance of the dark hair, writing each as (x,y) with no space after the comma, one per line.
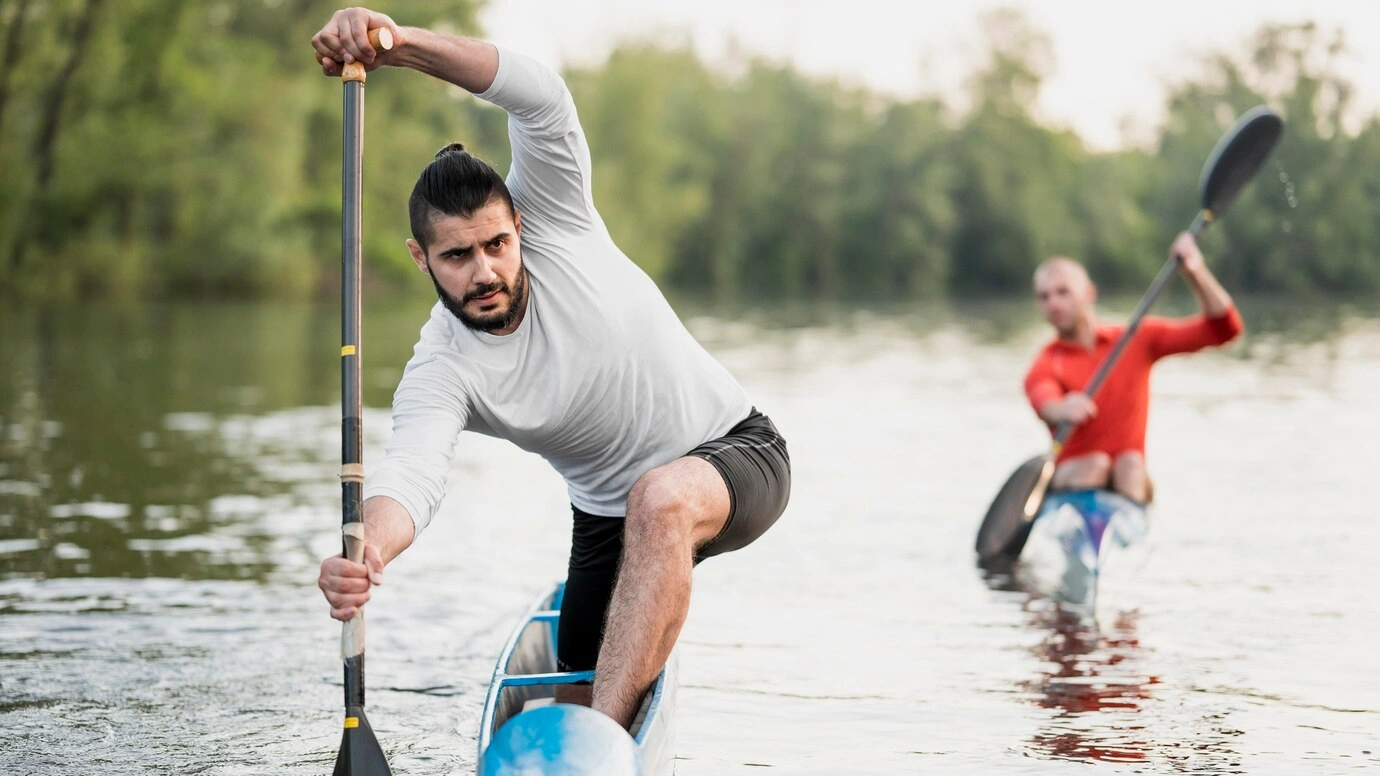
(455,183)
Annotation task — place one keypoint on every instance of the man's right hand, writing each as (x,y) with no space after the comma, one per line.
(345,39)
(346,584)
(1076,408)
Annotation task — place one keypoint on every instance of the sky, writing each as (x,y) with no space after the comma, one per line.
(1113,60)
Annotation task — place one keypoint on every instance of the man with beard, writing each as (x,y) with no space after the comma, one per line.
(1108,449)
(548,336)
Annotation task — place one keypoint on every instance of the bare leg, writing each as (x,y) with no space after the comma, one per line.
(671,510)
(1093,470)
(1130,478)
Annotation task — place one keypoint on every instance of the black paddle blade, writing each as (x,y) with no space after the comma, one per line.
(1238,156)
(360,753)
(1005,528)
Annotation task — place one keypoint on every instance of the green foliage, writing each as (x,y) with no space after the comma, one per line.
(193,149)
(198,149)
(1308,223)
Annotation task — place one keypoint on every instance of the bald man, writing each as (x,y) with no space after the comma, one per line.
(1108,448)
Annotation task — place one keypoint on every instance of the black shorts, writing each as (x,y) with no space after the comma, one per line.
(753,461)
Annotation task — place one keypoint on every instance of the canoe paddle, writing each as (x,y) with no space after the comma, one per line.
(1235,160)
(360,753)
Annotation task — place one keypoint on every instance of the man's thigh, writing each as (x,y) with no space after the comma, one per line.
(1092,470)
(755,466)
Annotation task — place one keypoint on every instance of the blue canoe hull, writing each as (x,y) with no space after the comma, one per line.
(523,731)
(1076,537)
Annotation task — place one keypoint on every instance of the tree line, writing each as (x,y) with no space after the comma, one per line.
(155,148)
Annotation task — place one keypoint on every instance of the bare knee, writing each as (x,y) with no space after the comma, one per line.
(659,511)
(1130,477)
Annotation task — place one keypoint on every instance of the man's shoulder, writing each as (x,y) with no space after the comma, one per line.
(1111,332)
(438,328)
(1045,354)
(1152,326)
(440,343)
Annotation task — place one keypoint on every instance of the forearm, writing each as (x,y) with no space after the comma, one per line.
(387,526)
(467,63)
(1051,412)
(1213,299)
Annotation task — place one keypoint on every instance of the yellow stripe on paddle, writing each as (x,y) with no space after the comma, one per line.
(347,350)
(352,722)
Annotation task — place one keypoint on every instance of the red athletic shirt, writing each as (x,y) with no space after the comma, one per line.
(1123,402)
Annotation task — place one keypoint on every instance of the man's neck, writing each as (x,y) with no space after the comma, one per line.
(1083,334)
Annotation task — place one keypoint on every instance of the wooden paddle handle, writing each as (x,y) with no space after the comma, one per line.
(381,38)
(352,632)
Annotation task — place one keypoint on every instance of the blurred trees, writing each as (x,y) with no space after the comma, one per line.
(154,147)
(1309,222)
(164,147)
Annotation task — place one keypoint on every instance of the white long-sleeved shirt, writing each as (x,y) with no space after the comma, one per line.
(600,378)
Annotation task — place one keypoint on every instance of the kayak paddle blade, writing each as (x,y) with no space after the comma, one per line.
(1237,157)
(360,753)
(1005,528)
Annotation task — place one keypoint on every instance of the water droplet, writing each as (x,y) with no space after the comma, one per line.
(1293,202)
(1288,227)
(1283,177)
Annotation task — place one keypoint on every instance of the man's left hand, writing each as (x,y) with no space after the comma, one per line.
(1185,250)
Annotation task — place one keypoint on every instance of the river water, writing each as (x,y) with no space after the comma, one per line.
(167,487)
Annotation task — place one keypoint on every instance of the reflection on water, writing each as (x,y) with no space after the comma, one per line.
(101,473)
(132,443)
(1089,679)
(1099,684)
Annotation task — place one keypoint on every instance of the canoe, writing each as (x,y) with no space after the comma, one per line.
(1076,538)
(523,730)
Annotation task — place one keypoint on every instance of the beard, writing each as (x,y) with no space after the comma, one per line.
(489,322)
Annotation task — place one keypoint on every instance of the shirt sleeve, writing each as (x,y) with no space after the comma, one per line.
(550,176)
(430,409)
(1168,336)
(1041,386)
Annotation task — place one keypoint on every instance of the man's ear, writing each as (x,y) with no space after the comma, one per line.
(517,221)
(418,255)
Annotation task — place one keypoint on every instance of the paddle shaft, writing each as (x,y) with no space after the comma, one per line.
(351,401)
(360,753)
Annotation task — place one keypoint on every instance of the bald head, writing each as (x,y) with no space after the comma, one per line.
(1065,295)
(1063,269)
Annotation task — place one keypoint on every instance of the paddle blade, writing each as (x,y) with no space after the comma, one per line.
(1238,156)
(360,753)
(1005,528)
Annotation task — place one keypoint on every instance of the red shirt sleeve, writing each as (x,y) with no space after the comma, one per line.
(1166,336)
(1041,386)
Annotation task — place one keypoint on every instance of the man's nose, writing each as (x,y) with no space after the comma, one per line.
(484,273)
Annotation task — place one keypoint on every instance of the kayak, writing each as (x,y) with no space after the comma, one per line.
(1076,537)
(524,731)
